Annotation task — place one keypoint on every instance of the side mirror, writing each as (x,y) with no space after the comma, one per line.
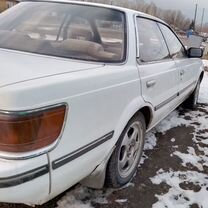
(195,52)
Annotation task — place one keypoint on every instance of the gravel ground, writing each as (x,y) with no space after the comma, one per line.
(173,172)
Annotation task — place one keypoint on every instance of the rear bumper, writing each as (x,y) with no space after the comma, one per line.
(24,181)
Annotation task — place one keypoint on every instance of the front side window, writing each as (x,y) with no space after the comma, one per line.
(176,48)
(64,30)
(152,46)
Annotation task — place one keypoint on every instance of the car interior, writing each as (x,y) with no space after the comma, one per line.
(79,36)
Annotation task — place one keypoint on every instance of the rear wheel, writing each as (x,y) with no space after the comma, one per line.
(125,158)
(192,101)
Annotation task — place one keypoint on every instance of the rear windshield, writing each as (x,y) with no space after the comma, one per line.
(64,30)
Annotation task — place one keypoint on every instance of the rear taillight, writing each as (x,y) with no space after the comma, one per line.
(30,130)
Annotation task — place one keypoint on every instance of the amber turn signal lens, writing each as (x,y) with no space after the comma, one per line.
(30,130)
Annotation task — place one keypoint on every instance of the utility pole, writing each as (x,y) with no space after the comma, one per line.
(195,15)
(202,20)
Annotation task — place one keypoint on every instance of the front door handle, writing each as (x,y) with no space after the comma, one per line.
(151,83)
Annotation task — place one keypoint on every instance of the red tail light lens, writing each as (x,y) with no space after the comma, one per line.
(28,131)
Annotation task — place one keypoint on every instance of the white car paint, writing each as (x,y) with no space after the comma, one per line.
(101,99)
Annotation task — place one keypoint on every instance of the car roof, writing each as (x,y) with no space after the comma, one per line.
(128,11)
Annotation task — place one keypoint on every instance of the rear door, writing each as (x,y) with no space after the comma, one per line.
(188,68)
(157,70)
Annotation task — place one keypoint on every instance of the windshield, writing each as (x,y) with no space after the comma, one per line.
(64,30)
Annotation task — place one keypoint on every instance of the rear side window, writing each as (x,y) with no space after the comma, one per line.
(175,47)
(152,46)
(65,30)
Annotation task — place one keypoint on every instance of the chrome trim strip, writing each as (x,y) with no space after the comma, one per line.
(23,112)
(23,177)
(81,151)
(166,102)
(183,90)
(173,97)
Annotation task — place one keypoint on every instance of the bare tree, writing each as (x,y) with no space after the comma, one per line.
(172,17)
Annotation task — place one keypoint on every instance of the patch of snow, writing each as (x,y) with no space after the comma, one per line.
(120,201)
(205,62)
(150,141)
(190,158)
(178,197)
(175,146)
(173,140)
(130,184)
(171,121)
(83,197)
(74,199)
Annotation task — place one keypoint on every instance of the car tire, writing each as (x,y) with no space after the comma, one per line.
(127,155)
(192,101)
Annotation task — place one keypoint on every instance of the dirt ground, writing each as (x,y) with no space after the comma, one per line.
(141,192)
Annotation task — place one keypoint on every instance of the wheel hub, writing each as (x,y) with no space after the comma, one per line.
(130,149)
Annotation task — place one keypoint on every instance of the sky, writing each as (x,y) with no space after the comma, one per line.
(186,6)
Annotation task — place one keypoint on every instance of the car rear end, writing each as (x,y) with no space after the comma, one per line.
(49,87)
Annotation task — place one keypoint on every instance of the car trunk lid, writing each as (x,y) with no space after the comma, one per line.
(20,66)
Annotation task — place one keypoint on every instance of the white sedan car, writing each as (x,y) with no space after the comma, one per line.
(80,84)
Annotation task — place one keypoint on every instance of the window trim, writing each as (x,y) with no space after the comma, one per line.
(137,40)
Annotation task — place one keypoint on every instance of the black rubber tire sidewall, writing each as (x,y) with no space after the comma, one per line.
(190,102)
(113,178)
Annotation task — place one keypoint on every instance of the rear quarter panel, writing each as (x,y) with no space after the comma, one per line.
(93,113)
(99,101)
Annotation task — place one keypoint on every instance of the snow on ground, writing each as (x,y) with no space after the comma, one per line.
(83,197)
(205,62)
(75,199)
(177,196)
(197,157)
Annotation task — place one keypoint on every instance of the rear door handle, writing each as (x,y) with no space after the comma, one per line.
(150,83)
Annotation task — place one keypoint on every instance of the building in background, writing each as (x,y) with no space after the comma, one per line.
(5,4)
